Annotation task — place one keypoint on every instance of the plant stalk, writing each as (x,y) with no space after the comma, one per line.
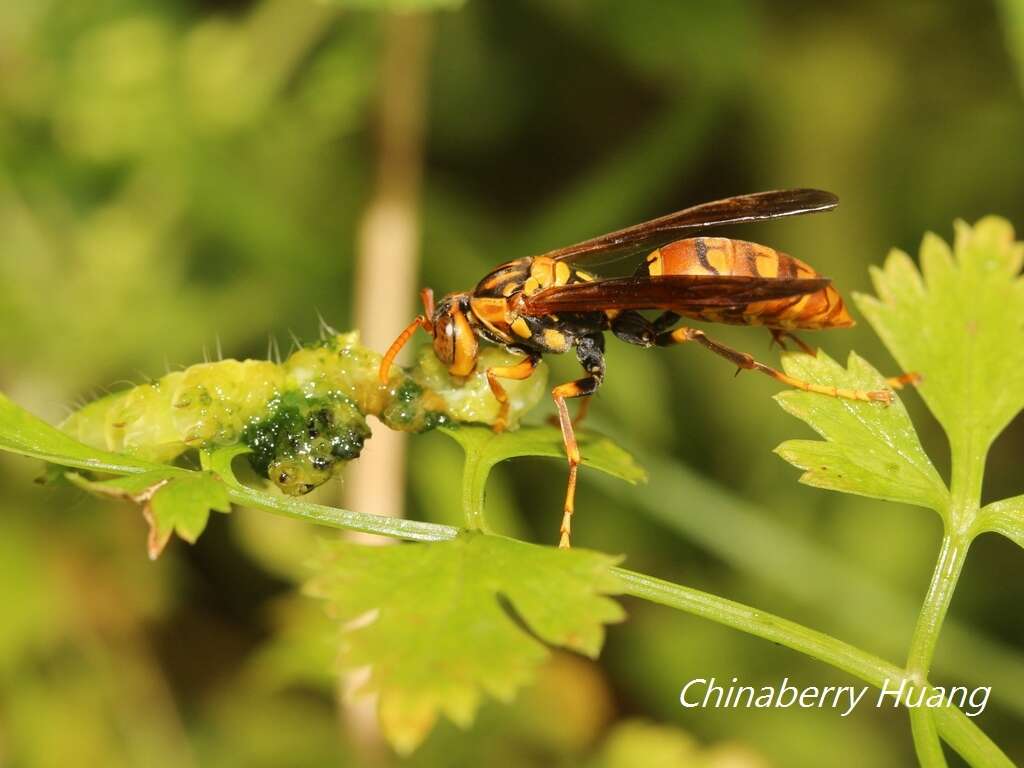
(965,497)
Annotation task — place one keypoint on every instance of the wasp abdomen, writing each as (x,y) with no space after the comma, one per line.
(723,256)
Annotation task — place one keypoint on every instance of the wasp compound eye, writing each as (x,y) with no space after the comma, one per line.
(444,340)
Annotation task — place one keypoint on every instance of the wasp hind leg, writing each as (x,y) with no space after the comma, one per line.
(519,371)
(896,382)
(745,362)
(590,352)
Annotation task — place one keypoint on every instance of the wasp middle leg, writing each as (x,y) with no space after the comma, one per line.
(590,353)
(779,337)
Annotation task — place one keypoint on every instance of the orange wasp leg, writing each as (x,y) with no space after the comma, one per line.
(590,352)
(748,363)
(581,413)
(904,380)
(572,451)
(896,382)
(518,372)
(422,321)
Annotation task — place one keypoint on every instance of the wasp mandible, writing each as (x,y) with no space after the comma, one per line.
(547,304)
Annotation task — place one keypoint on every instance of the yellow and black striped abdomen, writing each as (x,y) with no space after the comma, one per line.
(723,256)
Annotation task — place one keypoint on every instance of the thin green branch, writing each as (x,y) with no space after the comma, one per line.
(955,727)
(335,517)
(926,739)
(936,604)
(473,488)
(959,521)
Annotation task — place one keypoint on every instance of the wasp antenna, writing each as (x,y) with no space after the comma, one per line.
(396,346)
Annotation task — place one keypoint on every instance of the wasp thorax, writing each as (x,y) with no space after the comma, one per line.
(455,341)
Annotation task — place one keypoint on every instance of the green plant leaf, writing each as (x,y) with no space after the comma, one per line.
(443,631)
(21,432)
(1005,517)
(597,450)
(173,501)
(961,326)
(870,449)
(485,448)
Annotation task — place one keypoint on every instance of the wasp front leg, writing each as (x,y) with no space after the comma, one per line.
(743,361)
(519,372)
(590,353)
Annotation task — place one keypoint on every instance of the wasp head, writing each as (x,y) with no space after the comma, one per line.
(455,342)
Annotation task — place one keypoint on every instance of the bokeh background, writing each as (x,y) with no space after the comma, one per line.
(178,178)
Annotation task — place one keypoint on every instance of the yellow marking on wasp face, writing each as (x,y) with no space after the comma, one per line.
(767,266)
(719,261)
(465,349)
(562,273)
(555,339)
(531,286)
(654,265)
(520,328)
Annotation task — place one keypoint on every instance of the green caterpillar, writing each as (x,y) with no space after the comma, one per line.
(303,418)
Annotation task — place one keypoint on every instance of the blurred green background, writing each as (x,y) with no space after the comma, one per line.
(181,176)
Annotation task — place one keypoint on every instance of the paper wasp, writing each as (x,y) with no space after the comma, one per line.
(547,304)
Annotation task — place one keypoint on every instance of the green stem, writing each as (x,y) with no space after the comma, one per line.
(334,517)
(955,727)
(936,605)
(473,489)
(926,636)
(965,496)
